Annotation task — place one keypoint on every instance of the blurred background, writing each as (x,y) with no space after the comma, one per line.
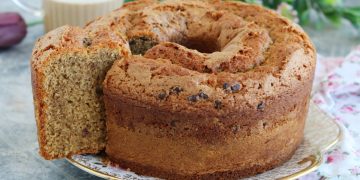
(333,25)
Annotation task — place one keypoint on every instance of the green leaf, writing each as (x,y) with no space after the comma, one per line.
(304,17)
(353,15)
(334,18)
(273,4)
(352,10)
(333,14)
(249,1)
(330,2)
(300,4)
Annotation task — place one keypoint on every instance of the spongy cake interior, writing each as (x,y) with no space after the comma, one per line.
(74,109)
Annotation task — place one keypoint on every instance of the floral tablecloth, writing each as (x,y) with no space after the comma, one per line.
(337,92)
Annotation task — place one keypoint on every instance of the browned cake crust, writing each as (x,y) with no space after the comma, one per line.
(176,150)
(232,174)
(221,90)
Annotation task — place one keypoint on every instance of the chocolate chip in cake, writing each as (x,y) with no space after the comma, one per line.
(193,98)
(226,86)
(202,95)
(85,132)
(87,42)
(162,95)
(176,90)
(235,88)
(173,123)
(261,106)
(217,104)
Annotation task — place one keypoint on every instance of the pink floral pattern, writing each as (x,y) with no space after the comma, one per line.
(337,92)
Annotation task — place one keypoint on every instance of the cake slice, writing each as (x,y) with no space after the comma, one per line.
(68,66)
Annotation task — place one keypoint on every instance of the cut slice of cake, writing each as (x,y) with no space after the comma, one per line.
(68,67)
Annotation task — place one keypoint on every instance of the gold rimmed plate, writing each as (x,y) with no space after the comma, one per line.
(321,133)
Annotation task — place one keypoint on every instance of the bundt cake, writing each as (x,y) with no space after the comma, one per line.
(221,91)
(198,89)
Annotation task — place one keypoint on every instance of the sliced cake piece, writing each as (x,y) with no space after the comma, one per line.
(68,67)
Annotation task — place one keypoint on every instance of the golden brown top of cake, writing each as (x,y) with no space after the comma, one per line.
(70,38)
(218,57)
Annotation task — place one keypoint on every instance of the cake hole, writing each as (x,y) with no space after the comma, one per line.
(235,128)
(203,45)
(139,45)
(265,125)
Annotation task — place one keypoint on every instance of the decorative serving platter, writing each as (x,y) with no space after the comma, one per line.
(321,133)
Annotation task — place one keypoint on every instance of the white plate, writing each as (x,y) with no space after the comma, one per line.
(321,133)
